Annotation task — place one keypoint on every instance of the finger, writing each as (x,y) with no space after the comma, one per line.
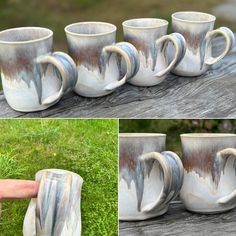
(18,189)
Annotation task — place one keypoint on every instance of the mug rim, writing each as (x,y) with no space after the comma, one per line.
(90,22)
(140,135)
(207,135)
(213,18)
(165,23)
(50,34)
(59,171)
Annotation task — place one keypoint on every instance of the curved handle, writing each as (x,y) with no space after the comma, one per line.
(173,177)
(180,49)
(130,55)
(67,69)
(222,157)
(229,38)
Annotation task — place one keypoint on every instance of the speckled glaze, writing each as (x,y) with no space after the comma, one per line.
(149,37)
(56,211)
(33,76)
(149,177)
(93,48)
(197,29)
(209,162)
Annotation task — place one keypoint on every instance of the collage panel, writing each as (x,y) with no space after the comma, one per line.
(160,60)
(177,177)
(68,168)
(117,118)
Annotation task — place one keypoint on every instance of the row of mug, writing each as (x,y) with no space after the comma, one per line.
(150,177)
(34,77)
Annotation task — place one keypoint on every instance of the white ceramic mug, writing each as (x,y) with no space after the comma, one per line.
(149,36)
(33,76)
(93,47)
(56,210)
(149,176)
(209,162)
(197,29)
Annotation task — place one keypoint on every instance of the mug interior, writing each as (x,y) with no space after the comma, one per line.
(191,16)
(145,23)
(90,28)
(24,35)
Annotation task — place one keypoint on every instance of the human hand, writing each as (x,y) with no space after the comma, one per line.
(18,189)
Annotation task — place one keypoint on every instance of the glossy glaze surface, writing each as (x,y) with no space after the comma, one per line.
(210,172)
(56,211)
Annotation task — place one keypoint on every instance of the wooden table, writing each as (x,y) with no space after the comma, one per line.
(212,95)
(179,222)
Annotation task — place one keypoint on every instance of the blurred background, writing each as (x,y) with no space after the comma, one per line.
(173,129)
(57,14)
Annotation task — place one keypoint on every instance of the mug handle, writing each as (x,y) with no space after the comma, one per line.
(229,38)
(180,48)
(130,55)
(222,157)
(173,173)
(67,69)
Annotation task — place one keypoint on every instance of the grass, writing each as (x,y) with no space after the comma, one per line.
(57,14)
(87,147)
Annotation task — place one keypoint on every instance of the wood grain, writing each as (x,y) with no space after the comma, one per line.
(179,222)
(212,95)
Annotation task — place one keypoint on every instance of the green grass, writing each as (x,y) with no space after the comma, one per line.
(87,147)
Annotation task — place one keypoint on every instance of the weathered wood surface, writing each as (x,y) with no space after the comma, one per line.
(212,95)
(179,222)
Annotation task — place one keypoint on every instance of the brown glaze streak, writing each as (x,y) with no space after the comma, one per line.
(193,41)
(146,47)
(11,68)
(201,160)
(204,163)
(128,156)
(127,161)
(139,44)
(89,56)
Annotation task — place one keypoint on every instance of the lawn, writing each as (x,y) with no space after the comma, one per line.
(87,147)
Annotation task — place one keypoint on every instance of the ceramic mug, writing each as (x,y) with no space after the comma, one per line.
(149,177)
(209,162)
(93,48)
(197,29)
(33,76)
(149,36)
(56,210)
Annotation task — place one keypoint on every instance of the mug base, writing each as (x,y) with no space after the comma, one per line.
(29,110)
(210,211)
(92,95)
(153,81)
(143,85)
(184,74)
(143,216)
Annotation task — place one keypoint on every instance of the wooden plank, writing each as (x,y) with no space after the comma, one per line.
(209,96)
(178,221)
